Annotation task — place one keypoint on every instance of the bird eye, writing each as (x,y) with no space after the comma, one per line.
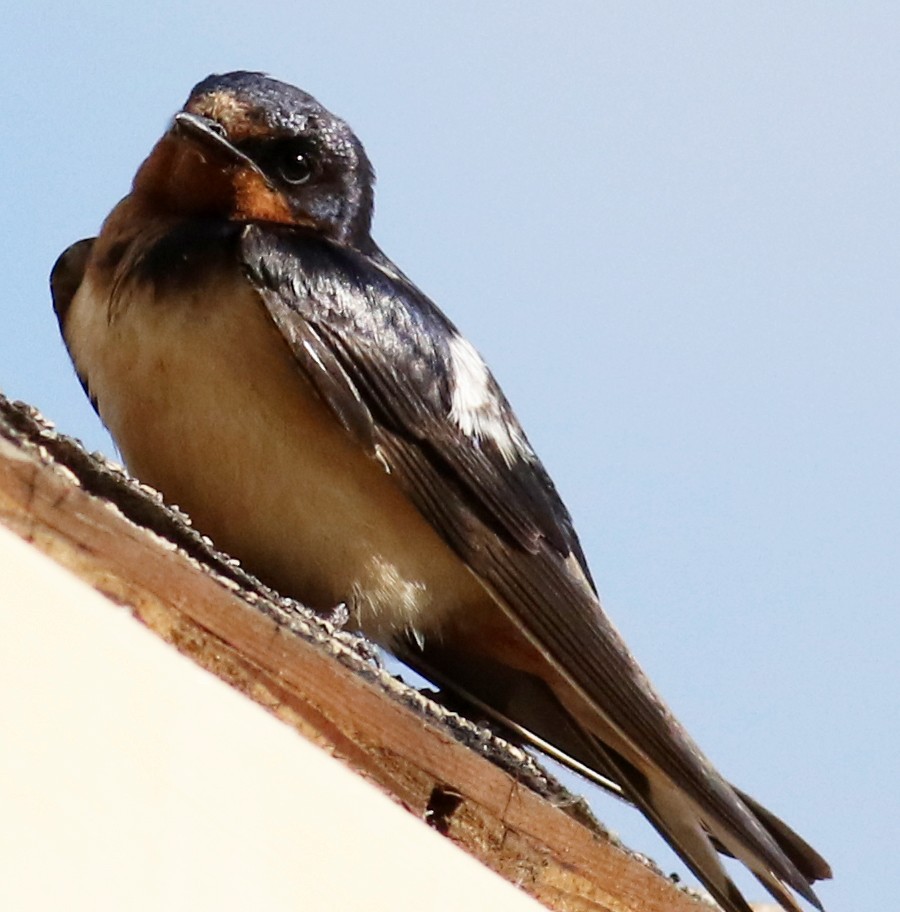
(295,166)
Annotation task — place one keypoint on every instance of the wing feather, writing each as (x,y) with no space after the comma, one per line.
(378,351)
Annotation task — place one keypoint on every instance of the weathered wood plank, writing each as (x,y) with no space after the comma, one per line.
(98,524)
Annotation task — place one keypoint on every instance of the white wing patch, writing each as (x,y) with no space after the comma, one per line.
(475,407)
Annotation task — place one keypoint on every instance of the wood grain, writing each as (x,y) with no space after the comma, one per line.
(117,537)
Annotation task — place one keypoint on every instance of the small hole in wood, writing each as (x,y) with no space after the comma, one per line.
(442,805)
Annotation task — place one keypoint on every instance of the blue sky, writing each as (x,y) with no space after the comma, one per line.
(672,230)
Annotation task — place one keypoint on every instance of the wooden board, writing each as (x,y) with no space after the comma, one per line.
(484,794)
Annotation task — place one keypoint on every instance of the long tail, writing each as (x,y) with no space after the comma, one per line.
(698,840)
(532,713)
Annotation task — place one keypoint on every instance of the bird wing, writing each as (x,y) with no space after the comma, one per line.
(65,278)
(386,361)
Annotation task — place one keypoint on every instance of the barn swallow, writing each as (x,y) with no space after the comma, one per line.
(261,362)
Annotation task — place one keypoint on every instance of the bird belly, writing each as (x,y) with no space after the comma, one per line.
(207,404)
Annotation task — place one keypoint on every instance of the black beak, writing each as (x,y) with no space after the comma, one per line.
(208,133)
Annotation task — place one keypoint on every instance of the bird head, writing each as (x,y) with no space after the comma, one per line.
(249,148)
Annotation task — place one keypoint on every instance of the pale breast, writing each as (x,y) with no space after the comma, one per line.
(206,404)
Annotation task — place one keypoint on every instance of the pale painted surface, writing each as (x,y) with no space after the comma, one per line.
(131,779)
